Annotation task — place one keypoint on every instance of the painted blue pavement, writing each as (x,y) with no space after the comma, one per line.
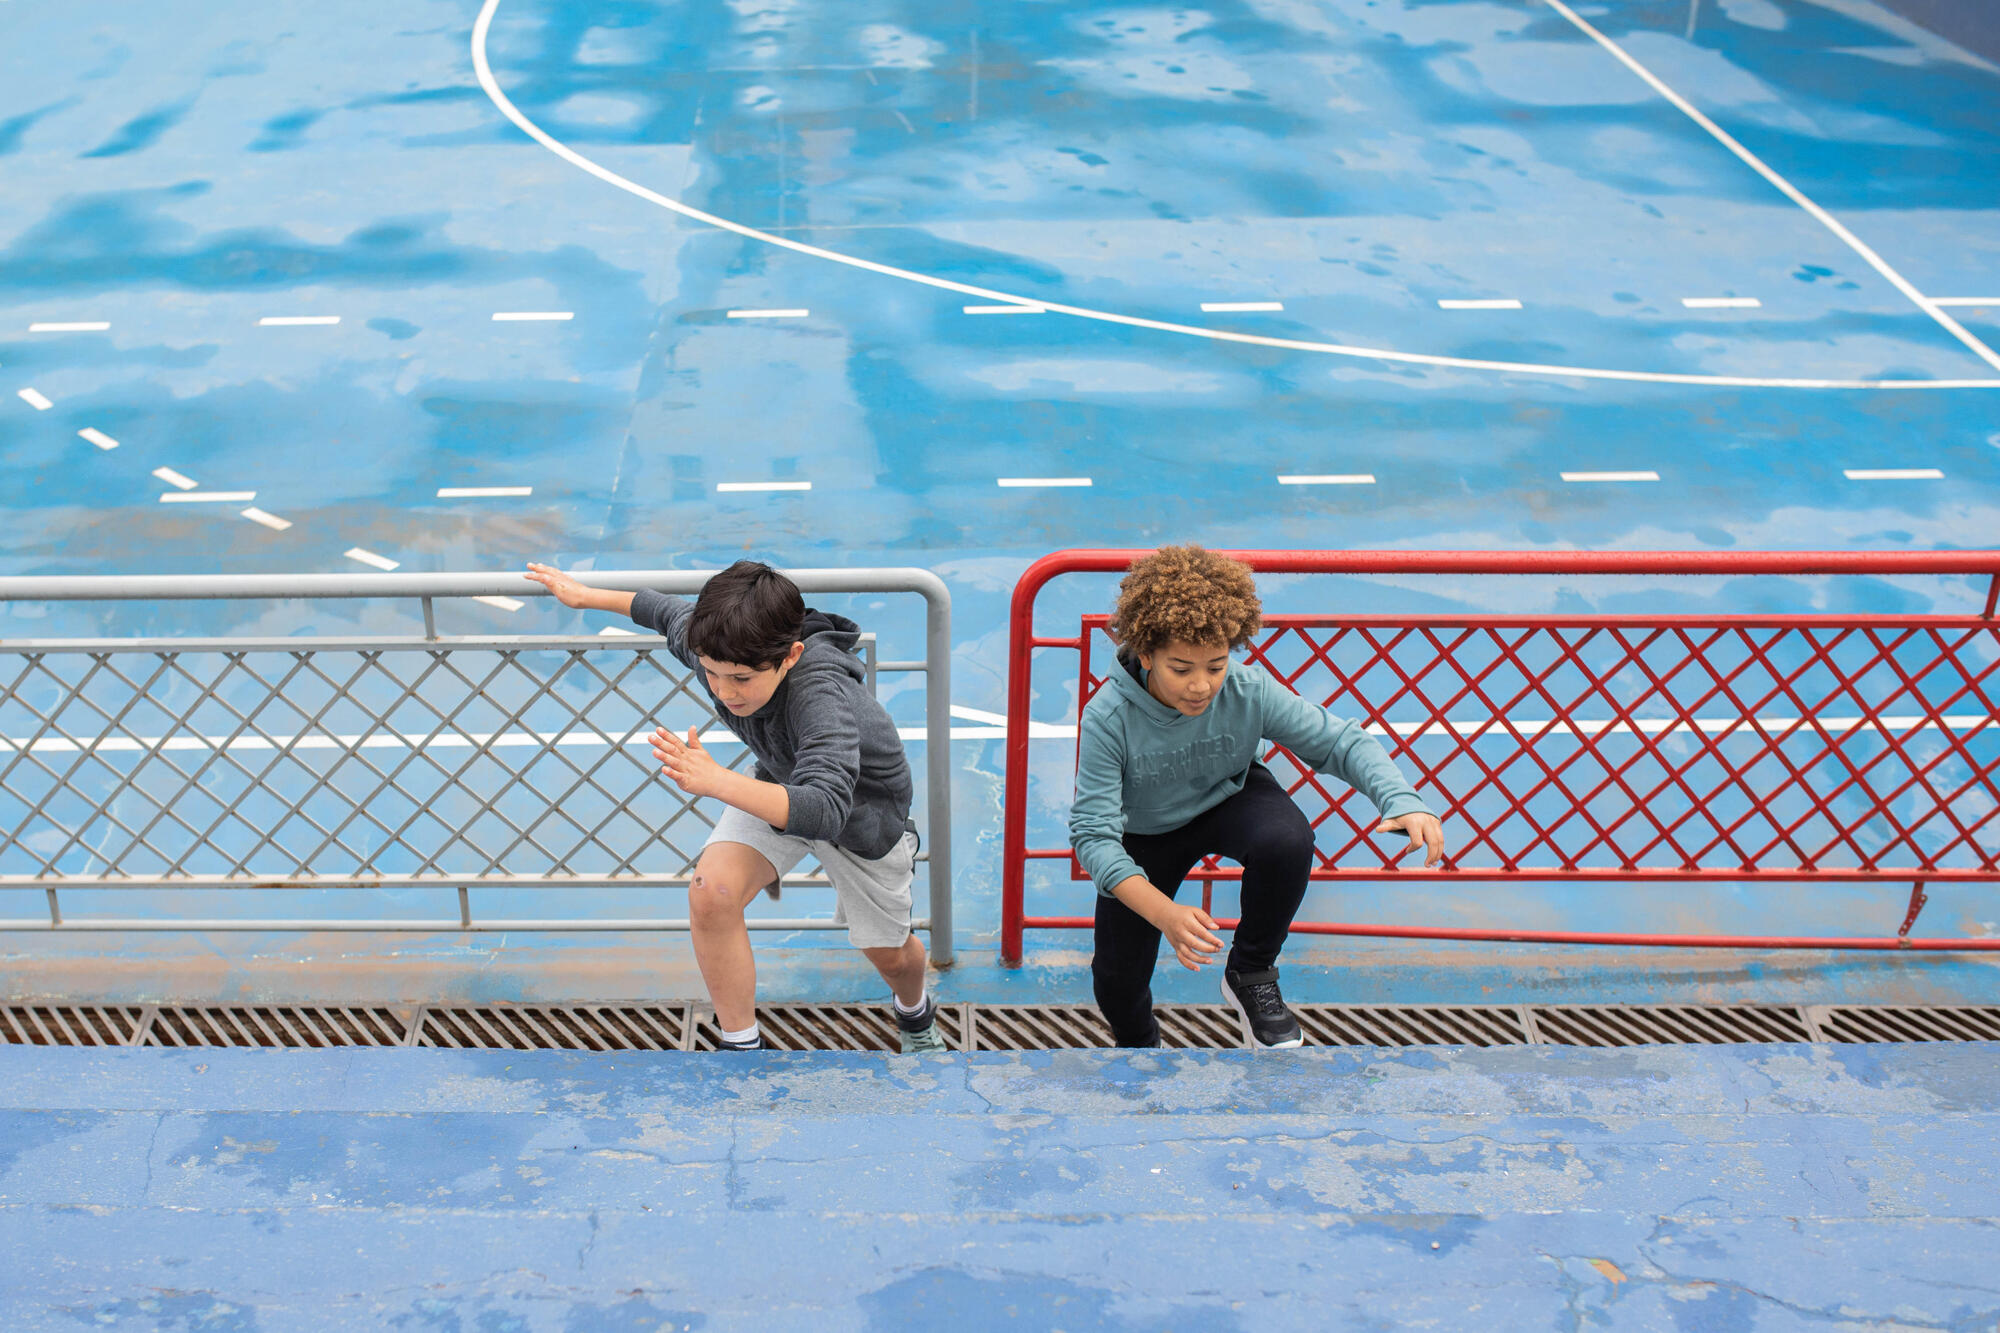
(182,172)
(1707,1188)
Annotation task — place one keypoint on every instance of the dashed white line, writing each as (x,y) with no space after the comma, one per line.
(73,326)
(1042,481)
(481,492)
(1239,307)
(1327,479)
(1610,476)
(207,497)
(1499,303)
(728,486)
(1721,302)
(768,314)
(1894,474)
(504,603)
(271,521)
(1965,300)
(1006,310)
(528,316)
(33,398)
(288,321)
(381,562)
(1784,187)
(178,480)
(97,437)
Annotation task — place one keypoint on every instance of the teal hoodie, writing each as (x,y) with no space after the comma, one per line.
(1143,767)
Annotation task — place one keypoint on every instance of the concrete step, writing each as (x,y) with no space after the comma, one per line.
(1508,1187)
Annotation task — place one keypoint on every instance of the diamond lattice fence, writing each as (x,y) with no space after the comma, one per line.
(1612,745)
(392,764)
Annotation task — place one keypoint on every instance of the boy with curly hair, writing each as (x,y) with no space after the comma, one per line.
(1167,773)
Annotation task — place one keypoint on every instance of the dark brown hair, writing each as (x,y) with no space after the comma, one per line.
(1185,593)
(749,614)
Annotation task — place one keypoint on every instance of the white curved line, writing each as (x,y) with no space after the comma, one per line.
(609,177)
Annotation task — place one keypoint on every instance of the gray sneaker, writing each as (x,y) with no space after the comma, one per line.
(919,1031)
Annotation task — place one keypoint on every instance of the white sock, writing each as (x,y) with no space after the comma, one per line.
(912,1010)
(748,1034)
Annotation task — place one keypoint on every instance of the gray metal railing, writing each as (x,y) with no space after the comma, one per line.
(394,763)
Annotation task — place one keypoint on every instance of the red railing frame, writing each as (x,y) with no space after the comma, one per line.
(1023,641)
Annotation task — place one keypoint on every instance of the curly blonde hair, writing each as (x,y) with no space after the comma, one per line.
(1185,593)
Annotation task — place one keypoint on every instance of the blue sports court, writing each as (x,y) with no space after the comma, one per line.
(442,288)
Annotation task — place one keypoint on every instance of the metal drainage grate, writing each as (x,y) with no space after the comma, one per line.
(556,1027)
(69,1025)
(273,1025)
(975,1027)
(1655,1025)
(1859,1023)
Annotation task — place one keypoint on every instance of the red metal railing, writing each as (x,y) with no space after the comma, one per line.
(1704,747)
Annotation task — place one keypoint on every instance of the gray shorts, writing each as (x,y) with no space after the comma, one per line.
(871,898)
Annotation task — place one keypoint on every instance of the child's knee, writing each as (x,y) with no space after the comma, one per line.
(714,899)
(1286,843)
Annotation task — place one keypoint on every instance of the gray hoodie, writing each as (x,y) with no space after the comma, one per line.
(824,736)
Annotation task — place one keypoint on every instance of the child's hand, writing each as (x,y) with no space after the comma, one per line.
(1191,931)
(1424,831)
(693,768)
(566,589)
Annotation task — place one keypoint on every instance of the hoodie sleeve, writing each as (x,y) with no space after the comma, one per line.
(827,764)
(1097,815)
(667,616)
(1335,745)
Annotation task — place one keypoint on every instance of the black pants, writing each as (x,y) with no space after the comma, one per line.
(1259,828)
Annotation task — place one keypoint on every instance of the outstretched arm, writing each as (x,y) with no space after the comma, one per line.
(572,592)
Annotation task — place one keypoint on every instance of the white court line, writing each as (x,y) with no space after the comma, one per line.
(178,480)
(1721,302)
(207,497)
(381,562)
(1610,476)
(768,314)
(1042,481)
(271,521)
(1965,300)
(1513,731)
(1894,474)
(290,321)
(1238,307)
(1327,479)
(78,326)
(527,316)
(763,486)
(98,438)
(1500,303)
(617,631)
(1785,187)
(33,398)
(1006,310)
(483,69)
(504,603)
(481,492)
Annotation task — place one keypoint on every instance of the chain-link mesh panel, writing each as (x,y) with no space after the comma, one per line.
(1614,745)
(393,764)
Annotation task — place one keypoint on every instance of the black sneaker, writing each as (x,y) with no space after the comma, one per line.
(1267,1024)
(756,1043)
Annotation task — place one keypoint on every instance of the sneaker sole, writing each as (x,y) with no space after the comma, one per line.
(1250,1042)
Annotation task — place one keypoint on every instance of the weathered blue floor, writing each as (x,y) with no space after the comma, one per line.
(1771,1187)
(179,172)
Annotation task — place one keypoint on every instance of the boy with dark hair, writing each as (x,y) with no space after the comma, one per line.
(831,782)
